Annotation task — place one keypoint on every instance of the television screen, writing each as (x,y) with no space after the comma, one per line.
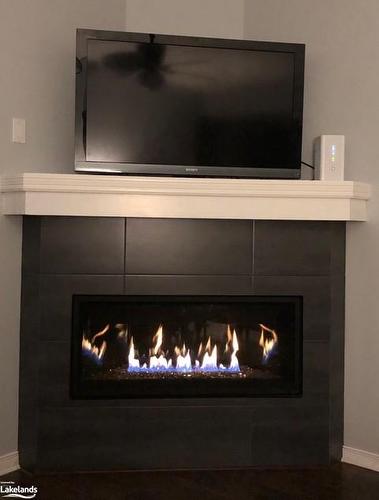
(186,106)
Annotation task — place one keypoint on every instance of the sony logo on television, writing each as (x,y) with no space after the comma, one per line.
(191,169)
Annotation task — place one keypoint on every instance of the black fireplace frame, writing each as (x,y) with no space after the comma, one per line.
(143,389)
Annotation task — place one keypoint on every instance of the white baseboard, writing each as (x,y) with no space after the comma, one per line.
(9,463)
(360,458)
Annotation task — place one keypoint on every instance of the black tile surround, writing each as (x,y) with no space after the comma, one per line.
(63,256)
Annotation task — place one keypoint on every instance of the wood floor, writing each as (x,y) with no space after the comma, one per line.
(337,482)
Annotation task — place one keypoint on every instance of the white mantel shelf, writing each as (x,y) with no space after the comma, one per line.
(126,196)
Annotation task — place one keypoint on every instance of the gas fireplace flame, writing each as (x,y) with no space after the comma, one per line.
(183,359)
(268,341)
(208,346)
(93,352)
(122,331)
(133,362)
(200,350)
(209,363)
(234,361)
(101,333)
(158,339)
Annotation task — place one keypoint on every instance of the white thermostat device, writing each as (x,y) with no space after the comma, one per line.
(329,157)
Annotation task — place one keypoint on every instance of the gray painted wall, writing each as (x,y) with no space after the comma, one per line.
(215,18)
(37,42)
(341,97)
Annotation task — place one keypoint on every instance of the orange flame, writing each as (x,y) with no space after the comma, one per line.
(102,332)
(235,342)
(97,352)
(234,360)
(208,345)
(200,350)
(229,339)
(158,339)
(267,341)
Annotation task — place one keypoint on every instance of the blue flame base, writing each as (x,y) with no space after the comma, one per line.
(173,369)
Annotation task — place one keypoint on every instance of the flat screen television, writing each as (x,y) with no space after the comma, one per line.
(174,105)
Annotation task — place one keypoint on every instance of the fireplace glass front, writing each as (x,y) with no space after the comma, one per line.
(186,346)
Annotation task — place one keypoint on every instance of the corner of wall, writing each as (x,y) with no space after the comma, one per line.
(9,463)
(361,458)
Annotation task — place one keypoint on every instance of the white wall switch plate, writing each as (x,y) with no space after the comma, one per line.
(19,130)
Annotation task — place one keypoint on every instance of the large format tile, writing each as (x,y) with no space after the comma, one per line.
(292,248)
(316,372)
(31,240)
(315,291)
(303,439)
(336,379)
(175,246)
(188,285)
(338,248)
(56,300)
(129,438)
(28,390)
(82,245)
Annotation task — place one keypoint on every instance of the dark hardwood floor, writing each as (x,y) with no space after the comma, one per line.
(337,482)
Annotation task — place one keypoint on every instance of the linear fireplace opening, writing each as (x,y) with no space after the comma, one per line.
(178,346)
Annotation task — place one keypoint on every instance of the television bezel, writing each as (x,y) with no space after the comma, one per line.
(83,165)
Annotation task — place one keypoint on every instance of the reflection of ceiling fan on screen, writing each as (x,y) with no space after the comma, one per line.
(147,62)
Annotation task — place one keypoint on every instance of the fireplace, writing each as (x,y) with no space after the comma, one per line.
(174,346)
(162,283)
